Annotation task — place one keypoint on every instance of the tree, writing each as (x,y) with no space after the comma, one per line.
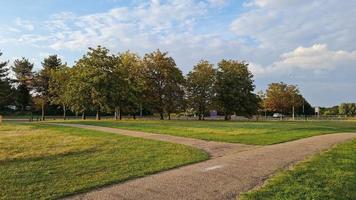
(22,69)
(164,82)
(330,111)
(133,70)
(234,89)
(348,109)
(200,87)
(5,87)
(91,80)
(78,91)
(283,98)
(42,80)
(305,108)
(174,97)
(59,87)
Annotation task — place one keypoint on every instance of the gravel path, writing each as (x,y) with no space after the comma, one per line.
(234,168)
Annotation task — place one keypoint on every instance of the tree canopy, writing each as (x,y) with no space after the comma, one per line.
(5,87)
(164,82)
(22,69)
(104,83)
(234,89)
(282,98)
(200,87)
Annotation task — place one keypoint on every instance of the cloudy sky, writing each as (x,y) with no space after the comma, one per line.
(311,43)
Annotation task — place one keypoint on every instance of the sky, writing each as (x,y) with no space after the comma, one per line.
(309,43)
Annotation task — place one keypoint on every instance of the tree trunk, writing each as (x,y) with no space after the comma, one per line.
(227,117)
(140,110)
(83,116)
(120,113)
(199,116)
(293,113)
(134,116)
(116,117)
(169,116)
(203,113)
(161,116)
(97,115)
(64,112)
(43,112)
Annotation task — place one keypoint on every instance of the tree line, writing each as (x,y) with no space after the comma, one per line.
(346,109)
(105,83)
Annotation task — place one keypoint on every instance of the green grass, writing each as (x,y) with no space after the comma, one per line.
(331,175)
(257,133)
(47,162)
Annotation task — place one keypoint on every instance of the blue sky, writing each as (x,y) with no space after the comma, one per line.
(310,43)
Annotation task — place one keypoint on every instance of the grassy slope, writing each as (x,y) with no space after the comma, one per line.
(258,133)
(39,162)
(327,176)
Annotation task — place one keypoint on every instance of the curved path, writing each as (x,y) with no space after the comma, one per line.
(234,168)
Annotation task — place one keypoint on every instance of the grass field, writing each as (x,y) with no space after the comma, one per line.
(327,176)
(257,133)
(47,162)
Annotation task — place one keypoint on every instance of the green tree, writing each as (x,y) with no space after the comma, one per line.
(5,87)
(262,107)
(42,80)
(134,71)
(348,109)
(93,74)
(59,88)
(78,91)
(164,82)
(200,87)
(305,108)
(234,89)
(330,111)
(22,69)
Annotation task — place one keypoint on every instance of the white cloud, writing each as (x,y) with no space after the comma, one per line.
(218,3)
(24,24)
(281,25)
(317,58)
(275,3)
(147,23)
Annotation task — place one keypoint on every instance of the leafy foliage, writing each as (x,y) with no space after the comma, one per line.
(24,80)
(200,87)
(42,80)
(234,89)
(5,87)
(164,82)
(281,97)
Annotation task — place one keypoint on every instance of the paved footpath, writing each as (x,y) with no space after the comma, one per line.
(234,168)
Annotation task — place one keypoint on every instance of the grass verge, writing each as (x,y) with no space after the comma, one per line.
(47,162)
(331,175)
(255,133)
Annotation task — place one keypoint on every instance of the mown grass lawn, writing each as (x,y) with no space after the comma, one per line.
(47,162)
(257,133)
(331,175)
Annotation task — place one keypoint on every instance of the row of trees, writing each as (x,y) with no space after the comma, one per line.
(346,109)
(101,82)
